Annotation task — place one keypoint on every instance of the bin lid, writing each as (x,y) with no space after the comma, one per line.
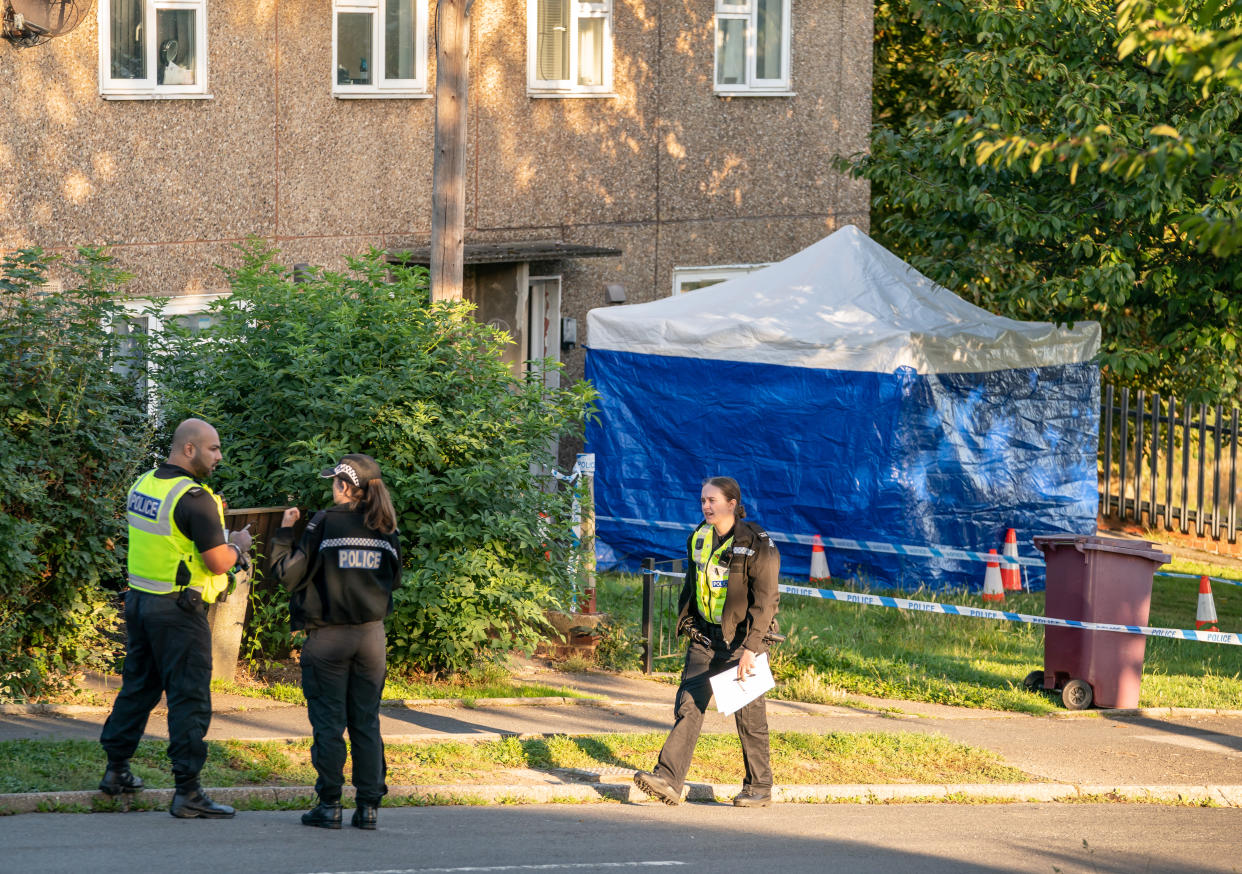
(1085,543)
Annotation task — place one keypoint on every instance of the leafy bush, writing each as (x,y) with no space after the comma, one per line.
(296,375)
(73,436)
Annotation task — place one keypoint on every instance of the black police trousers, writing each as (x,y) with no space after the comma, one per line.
(343,670)
(168,651)
(693,696)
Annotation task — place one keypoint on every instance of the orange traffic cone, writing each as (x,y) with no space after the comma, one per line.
(1011,576)
(819,561)
(1205,618)
(992,589)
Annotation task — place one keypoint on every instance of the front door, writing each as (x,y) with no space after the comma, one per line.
(543,331)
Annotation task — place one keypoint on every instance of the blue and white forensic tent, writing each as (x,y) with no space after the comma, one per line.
(852,398)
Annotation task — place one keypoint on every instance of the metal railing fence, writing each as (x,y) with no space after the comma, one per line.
(662,581)
(1165,462)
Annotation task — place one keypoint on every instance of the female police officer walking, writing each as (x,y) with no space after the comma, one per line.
(727,606)
(341,575)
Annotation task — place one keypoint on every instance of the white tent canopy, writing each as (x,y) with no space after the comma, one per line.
(844,303)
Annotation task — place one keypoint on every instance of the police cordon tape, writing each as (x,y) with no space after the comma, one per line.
(903,549)
(999,615)
(1005,615)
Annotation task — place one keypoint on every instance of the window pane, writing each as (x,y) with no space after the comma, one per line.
(399,39)
(353,48)
(552,40)
(129,61)
(590,51)
(177,51)
(730,51)
(129,354)
(696,284)
(770,22)
(196,323)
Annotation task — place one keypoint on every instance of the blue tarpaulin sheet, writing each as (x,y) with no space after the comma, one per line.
(943,459)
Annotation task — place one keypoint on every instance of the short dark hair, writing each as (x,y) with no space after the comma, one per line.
(732,491)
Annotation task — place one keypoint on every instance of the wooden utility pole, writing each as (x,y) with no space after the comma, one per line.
(448,174)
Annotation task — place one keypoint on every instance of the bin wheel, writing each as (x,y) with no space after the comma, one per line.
(1077,695)
(1034,681)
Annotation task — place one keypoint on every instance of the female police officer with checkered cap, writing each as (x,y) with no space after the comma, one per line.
(341,576)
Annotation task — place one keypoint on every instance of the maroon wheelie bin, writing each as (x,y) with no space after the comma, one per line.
(1095,579)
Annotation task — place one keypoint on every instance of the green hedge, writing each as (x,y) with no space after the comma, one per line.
(73,435)
(293,375)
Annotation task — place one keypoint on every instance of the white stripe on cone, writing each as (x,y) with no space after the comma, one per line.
(992,588)
(1205,617)
(819,561)
(1011,576)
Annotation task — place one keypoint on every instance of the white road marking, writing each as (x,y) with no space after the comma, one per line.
(551,866)
(1193,743)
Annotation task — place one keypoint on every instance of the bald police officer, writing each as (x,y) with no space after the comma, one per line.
(178,562)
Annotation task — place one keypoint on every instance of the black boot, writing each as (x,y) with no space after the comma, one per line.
(119,778)
(365,816)
(323,815)
(194,804)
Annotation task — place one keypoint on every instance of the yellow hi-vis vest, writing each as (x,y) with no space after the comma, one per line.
(157,548)
(713,577)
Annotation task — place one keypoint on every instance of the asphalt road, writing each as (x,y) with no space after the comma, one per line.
(560,839)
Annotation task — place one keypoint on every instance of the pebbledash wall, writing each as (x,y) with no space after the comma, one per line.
(662,166)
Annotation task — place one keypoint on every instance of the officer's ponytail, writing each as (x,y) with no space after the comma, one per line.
(374,502)
(732,492)
(380,513)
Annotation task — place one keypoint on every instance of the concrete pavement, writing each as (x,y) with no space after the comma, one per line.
(1192,755)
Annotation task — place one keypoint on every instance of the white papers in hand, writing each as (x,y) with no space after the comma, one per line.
(733,694)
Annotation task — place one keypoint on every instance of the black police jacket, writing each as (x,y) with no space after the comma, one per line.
(752,596)
(340,573)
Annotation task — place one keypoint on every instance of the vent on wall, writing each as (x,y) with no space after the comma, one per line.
(27,23)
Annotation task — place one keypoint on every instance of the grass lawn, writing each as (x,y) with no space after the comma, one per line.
(835,649)
(835,758)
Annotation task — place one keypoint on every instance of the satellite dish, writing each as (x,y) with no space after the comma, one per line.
(33,22)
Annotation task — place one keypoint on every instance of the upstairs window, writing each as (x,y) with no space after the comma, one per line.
(752,46)
(380,48)
(152,49)
(693,278)
(569,47)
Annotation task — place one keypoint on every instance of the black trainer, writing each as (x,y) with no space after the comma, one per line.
(365,816)
(753,798)
(323,815)
(194,804)
(657,787)
(119,779)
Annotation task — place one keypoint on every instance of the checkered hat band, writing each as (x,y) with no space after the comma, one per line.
(348,471)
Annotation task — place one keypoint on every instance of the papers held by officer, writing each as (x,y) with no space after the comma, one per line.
(733,694)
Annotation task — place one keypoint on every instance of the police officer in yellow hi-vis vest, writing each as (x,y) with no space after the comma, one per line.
(179,559)
(727,608)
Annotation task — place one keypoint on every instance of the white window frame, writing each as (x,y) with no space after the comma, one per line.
(111,88)
(578,9)
(169,307)
(746,11)
(682,276)
(381,84)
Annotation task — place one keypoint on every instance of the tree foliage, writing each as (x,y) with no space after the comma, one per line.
(73,431)
(1045,176)
(294,375)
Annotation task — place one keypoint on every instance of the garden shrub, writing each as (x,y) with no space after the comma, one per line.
(294,375)
(73,437)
